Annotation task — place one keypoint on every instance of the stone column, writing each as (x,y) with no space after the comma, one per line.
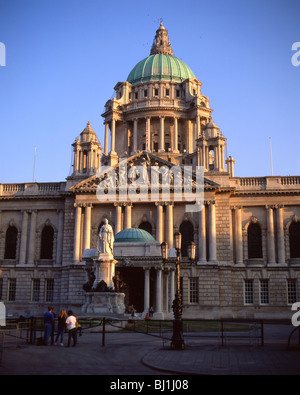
(280,236)
(216,158)
(106,139)
(148,134)
(128,215)
(238,236)
(118,217)
(212,232)
(158,290)
(135,132)
(60,235)
(32,236)
(175,149)
(198,125)
(161,147)
(23,242)
(202,235)
(87,227)
(146,290)
(113,137)
(270,235)
(125,136)
(159,222)
(169,224)
(80,161)
(76,159)
(77,233)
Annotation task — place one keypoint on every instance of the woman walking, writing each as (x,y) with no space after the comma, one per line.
(61,326)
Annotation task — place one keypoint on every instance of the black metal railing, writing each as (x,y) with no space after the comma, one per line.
(31,329)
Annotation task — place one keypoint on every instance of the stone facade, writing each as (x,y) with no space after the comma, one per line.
(247,234)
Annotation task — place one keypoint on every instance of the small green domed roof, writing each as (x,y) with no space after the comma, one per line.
(134,235)
(160,67)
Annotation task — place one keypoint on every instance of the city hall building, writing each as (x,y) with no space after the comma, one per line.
(247,234)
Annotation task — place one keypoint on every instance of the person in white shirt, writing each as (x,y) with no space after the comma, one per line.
(71,324)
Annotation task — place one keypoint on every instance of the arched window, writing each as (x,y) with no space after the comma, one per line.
(254,241)
(145,225)
(47,242)
(11,243)
(294,233)
(187,235)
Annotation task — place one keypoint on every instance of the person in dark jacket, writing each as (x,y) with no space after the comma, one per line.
(61,326)
(48,324)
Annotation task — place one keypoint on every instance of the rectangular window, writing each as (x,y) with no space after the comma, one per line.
(167,92)
(248,291)
(145,93)
(193,290)
(177,93)
(35,290)
(155,92)
(12,286)
(136,95)
(264,292)
(292,291)
(49,290)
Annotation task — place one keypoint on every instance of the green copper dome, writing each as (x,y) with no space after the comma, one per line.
(160,67)
(134,235)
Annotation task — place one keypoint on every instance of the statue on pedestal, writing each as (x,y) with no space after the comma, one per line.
(106,239)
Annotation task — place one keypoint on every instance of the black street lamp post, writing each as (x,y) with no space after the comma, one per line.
(177,342)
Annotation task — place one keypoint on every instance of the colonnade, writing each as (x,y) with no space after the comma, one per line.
(147,129)
(164,294)
(164,226)
(203,154)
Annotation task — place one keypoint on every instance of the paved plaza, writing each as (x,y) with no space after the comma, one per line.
(139,354)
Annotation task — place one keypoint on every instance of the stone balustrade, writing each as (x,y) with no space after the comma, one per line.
(47,188)
(265,183)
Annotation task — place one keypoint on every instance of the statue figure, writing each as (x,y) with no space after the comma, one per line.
(118,283)
(106,239)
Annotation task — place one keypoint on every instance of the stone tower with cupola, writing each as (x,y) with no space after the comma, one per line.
(87,152)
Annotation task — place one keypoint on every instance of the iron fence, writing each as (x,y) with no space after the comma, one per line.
(31,330)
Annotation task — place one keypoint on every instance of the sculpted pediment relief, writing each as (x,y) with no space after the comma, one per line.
(146,169)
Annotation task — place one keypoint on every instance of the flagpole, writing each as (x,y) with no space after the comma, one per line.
(34,163)
(271,156)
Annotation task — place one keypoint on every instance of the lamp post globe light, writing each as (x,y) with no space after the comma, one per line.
(192,251)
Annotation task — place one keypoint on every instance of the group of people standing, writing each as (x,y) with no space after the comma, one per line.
(66,322)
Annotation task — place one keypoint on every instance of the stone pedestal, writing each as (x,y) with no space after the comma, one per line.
(104,303)
(104,270)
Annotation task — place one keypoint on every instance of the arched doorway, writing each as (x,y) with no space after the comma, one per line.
(187,235)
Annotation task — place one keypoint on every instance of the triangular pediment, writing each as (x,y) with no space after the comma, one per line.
(142,161)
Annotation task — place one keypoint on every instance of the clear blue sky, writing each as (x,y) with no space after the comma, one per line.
(64,57)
